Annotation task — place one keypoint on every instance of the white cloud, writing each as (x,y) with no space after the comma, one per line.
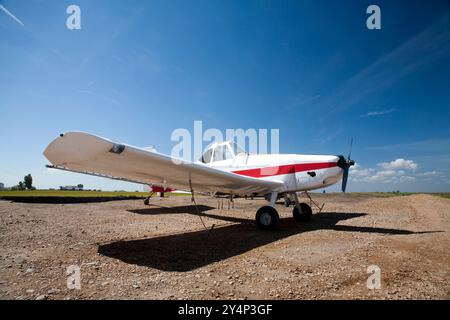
(428,174)
(405,179)
(357,172)
(399,164)
(397,174)
(393,172)
(379,177)
(387,173)
(376,178)
(378,113)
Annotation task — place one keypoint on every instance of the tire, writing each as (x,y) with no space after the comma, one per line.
(302,213)
(267,218)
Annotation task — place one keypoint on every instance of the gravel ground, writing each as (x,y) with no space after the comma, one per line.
(126,250)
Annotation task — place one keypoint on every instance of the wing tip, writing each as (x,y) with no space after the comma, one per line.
(74,146)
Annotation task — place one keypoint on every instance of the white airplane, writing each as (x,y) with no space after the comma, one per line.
(223,170)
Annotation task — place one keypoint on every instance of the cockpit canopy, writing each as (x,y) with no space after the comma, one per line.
(220,151)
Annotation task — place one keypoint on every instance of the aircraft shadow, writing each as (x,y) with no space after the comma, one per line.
(192,250)
(155,209)
(190,209)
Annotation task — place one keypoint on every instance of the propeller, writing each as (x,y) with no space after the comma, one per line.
(345,164)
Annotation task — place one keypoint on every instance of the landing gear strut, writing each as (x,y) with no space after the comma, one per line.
(287,200)
(147,200)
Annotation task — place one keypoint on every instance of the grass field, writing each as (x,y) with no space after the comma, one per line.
(67,193)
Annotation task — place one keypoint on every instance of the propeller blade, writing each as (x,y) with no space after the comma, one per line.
(345,178)
(350,151)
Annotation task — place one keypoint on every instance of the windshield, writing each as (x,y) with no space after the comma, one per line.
(221,152)
(206,158)
(236,148)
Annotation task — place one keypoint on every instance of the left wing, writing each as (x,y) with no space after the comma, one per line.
(89,154)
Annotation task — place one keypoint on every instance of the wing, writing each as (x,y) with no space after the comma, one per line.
(86,153)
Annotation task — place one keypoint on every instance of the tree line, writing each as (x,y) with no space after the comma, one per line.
(26,184)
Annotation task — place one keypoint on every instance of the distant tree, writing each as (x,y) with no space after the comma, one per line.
(80,186)
(28,181)
(21,185)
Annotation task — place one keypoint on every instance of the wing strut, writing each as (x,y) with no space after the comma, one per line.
(197,209)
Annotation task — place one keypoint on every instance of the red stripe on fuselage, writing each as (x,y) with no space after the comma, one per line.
(161,189)
(284,169)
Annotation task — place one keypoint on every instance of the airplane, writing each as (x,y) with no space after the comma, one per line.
(224,169)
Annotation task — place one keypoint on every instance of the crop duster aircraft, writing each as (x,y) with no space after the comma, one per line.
(223,170)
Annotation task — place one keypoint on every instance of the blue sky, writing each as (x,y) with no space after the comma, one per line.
(137,70)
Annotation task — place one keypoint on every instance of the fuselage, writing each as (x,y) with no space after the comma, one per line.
(297,172)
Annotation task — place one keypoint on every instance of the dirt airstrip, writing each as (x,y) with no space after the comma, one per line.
(126,250)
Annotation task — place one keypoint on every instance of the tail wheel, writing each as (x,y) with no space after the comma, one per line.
(267,218)
(302,212)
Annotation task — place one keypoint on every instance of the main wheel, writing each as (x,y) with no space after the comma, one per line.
(267,218)
(302,212)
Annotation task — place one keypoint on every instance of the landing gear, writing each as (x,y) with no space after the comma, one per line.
(290,200)
(267,218)
(302,212)
(147,200)
(287,201)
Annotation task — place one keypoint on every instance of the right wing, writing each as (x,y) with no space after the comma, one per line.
(86,153)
